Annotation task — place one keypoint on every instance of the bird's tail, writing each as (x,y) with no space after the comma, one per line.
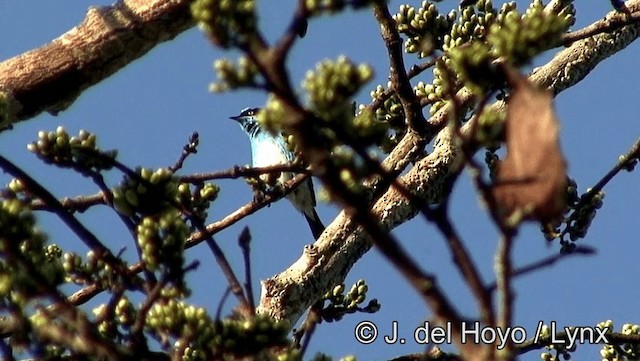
(314,223)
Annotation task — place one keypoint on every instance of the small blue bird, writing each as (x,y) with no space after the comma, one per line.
(269,149)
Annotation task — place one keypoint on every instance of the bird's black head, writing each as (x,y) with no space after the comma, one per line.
(246,113)
(248,121)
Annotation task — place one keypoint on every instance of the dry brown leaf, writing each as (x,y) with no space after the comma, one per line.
(532,178)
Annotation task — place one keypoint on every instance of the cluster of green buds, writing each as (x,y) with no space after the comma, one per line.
(173,319)
(146,192)
(442,86)
(473,39)
(467,50)
(474,23)
(124,315)
(332,84)
(518,38)
(201,338)
(351,170)
(341,304)
(78,152)
(243,337)
(198,198)
(424,27)
(161,239)
(390,111)
(626,351)
(23,250)
(233,76)
(560,345)
(226,22)
(92,270)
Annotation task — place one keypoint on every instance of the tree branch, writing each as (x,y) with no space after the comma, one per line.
(51,77)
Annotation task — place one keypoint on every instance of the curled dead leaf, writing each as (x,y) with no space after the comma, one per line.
(532,178)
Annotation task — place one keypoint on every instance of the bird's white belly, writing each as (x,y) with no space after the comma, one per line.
(269,154)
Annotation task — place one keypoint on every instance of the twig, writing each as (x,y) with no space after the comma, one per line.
(504,270)
(238,172)
(221,259)
(141,317)
(613,21)
(244,211)
(188,149)
(309,325)
(244,241)
(622,163)
(413,71)
(464,262)
(72,204)
(545,262)
(397,75)
(82,203)
(299,20)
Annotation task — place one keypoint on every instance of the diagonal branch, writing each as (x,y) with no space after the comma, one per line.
(51,77)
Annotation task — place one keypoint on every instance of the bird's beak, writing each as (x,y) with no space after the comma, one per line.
(236,118)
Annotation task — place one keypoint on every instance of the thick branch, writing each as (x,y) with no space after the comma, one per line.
(51,77)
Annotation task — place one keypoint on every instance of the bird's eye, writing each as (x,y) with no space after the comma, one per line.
(249,112)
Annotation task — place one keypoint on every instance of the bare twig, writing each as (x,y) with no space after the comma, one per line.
(244,211)
(397,74)
(546,262)
(464,262)
(188,149)
(234,284)
(244,241)
(504,270)
(298,23)
(413,71)
(612,21)
(244,172)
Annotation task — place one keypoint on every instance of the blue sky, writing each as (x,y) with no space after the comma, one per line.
(149,109)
